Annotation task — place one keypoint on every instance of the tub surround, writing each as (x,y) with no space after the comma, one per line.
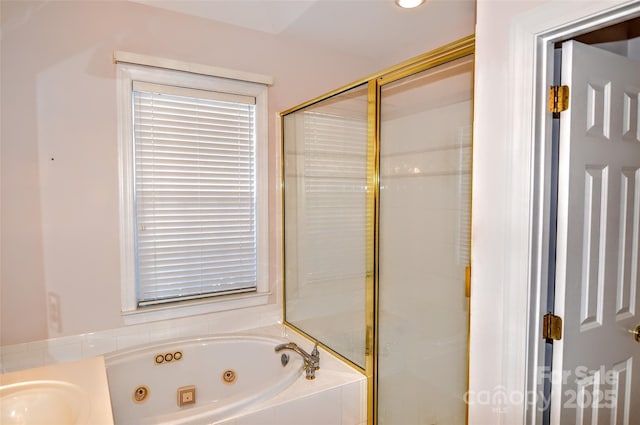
(212,377)
(338,395)
(76,347)
(334,397)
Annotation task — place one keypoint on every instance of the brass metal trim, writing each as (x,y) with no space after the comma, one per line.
(163,358)
(467,281)
(372,242)
(435,58)
(229,376)
(140,394)
(186,395)
(283,270)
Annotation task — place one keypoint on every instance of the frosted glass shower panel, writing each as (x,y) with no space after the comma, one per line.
(424,225)
(325,168)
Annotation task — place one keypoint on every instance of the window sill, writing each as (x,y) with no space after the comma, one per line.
(192,308)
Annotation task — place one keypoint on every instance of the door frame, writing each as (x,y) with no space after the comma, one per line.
(532,56)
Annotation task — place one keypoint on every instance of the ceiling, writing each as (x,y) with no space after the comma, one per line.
(372,29)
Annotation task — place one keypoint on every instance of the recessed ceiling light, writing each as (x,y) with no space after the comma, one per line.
(409,4)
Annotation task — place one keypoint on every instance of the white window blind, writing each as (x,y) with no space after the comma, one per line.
(335,176)
(195,193)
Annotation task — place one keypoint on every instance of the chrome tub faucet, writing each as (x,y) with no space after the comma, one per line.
(311,361)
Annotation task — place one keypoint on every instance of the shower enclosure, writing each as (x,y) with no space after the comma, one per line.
(377,190)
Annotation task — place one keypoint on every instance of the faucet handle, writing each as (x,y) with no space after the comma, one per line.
(315,354)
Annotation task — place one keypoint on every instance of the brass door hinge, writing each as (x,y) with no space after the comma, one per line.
(558,99)
(467,281)
(552,327)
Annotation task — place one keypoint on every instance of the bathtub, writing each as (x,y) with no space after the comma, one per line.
(214,377)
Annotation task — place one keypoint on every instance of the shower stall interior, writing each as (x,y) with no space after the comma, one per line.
(377,207)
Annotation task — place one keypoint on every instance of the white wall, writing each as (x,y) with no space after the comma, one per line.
(490,366)
(59,159)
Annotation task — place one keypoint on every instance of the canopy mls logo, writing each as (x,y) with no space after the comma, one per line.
(587,388)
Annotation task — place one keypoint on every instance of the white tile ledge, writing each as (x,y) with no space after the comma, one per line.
(76,347)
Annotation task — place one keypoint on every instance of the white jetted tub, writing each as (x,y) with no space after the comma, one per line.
(197,380)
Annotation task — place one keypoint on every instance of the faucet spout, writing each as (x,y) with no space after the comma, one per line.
(311,361)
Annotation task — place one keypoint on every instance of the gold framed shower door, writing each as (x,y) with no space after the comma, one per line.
(374,83)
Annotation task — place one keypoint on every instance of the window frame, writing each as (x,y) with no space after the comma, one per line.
(130,311)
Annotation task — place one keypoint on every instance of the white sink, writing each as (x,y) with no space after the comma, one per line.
(43,402)
(58,394)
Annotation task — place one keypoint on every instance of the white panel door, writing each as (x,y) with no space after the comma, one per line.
(598,231)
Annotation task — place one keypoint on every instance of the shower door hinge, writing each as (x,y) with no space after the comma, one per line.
(552,327)
(467,281)
(558,99)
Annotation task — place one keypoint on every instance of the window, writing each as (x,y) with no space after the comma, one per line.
(193,193)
